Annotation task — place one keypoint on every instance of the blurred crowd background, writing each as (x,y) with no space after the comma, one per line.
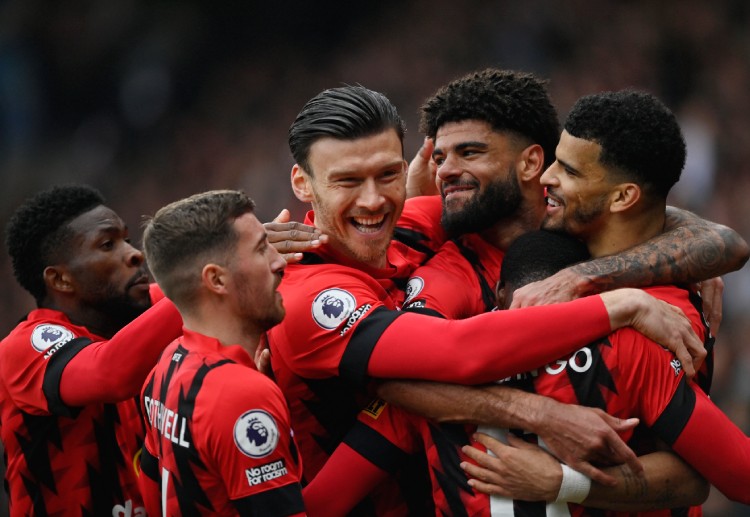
(151,101)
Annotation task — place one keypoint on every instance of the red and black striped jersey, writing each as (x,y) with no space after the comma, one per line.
(624,374)
(218,439)
(459,281)
(62,460)
(342,327)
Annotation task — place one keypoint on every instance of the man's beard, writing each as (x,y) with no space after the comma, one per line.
(121,309)
(498,201)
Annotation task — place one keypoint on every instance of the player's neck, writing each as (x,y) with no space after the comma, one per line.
(504,232)
(225,328)
(622,232)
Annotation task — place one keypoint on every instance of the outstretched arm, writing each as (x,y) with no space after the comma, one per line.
(691,250)
(521,470)
(577,435)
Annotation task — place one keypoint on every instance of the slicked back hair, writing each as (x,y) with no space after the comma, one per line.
(639,136)
(38,234)
(507,100)
(185,235)
(345,113)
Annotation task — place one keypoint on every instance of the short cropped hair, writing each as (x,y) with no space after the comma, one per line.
(345,113)
(639,136)
(37,233)
(539,254)
(183,236)
(516,102)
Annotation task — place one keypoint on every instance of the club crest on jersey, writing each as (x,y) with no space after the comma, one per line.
(47,335)
(331,307)
(256,433)
(413,288)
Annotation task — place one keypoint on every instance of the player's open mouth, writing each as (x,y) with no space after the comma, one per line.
(370,224)
(456,189)
(552,201)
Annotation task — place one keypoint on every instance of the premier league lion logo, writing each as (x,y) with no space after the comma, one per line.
(256,433)
(331,307)
(46,335)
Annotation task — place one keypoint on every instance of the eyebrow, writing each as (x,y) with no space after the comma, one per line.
(566,165)
(261,240)
(463,146)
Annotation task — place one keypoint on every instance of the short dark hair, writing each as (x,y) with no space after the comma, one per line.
(183,234)
(346,113)
(540,254)
(37,233)
(639,136)
(507,100)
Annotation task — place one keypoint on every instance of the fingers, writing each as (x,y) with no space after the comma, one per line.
(283,216)
(589,470)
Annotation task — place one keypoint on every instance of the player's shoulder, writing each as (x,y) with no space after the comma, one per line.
(41,332)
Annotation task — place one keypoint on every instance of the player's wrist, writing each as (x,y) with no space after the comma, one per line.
(574,487)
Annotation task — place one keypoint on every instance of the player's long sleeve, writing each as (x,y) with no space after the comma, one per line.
(337,489)
(476,350)
(727,464)
(114,370)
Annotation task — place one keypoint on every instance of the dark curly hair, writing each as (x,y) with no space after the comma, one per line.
(639,136)
(37,233)
(346,113)
(507,100)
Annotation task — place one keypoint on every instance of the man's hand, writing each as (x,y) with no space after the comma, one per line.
(658,321)
(519,470)
(581,436)
(292,238)
(420,180)
(558,288)
(711,291)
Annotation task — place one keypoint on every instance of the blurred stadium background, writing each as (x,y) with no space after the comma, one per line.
(150,101)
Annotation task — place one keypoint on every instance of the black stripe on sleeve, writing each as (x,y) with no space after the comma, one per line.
(149,465)
(422,310)
(284,500)
(354,361)
(375,448)
(675,416)
(52,375)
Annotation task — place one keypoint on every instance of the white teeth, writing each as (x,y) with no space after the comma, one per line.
(368,224)
(552,202)
(369,221)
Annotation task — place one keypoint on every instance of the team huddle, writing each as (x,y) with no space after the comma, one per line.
(509,325)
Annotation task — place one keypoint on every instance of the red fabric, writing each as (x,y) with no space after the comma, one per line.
(625,374)
(197,399)
(110,371)
(449,282)
(68,459)
(337,489)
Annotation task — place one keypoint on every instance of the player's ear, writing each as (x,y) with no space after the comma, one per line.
(624,197)
(57,278)
(531,163)
(301,184)
(214,278)
(500,295)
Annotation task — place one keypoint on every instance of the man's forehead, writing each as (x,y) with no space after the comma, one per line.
(98,218)
(337,154)
(578,152)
